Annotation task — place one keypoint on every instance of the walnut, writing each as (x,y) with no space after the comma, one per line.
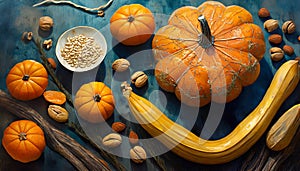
(139,79)
(120,65)
(271,25)
(47,44)
(289,27)
(276,53)
(46,23)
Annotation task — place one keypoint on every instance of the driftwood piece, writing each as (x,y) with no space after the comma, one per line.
(262,158)
(80,157)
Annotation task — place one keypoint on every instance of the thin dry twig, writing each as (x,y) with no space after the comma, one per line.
(96,10)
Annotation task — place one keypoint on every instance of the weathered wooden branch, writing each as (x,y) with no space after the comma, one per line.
(262,158)
(80,157)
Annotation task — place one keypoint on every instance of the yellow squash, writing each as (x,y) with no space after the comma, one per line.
(191,147)
(282,132)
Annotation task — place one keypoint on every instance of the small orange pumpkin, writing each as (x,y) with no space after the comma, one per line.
(132,24)
(208,53)
(24,141)
(94,102)
(27,80)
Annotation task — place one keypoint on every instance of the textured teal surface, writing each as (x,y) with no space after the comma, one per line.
(18,16)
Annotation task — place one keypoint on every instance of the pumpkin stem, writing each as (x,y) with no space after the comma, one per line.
(25,77)
(206,40)
(97,98)
(22,136)
(130,19)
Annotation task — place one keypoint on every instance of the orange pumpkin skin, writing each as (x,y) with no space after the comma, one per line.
(94,102)
(27,80)
(199,68)
(24,141)
(132,24)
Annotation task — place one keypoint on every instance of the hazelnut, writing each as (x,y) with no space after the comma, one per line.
(52,62)
(289,50)
(275,39)
(299,38)
(276,53)
(289,27)
(263,13)
(271,25)
(46,23)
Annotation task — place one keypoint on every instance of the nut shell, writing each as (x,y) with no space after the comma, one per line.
(58,113)
(271,25)
(289,50)
(275,39)
(112,140)
(46,23)
(263,13)
(138,154)
(120,65)
(276,53)
(289,27)
(139,79)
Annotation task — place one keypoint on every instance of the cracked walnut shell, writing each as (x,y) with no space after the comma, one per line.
(289,27)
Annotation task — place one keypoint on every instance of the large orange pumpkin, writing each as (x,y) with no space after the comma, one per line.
(24,141)
(27,80)
(208,53)
(94,102)
(132,24)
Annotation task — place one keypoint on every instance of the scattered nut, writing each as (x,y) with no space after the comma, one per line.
(27,36)
(52,62)
(139,79)
(46,23)
(289,27)
(275,39)
(112,140)
(271,25)
(120,65)
(289,50)
(138,154)
(58,113)
(118,126)
(276,53)
(133,137)
(299,38)
(263,13)
(48,44)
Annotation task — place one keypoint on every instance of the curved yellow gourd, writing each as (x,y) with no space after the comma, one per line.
(191,147)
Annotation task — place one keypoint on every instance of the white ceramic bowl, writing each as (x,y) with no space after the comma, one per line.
(87,32)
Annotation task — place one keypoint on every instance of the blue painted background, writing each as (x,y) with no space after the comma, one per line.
(18,16)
